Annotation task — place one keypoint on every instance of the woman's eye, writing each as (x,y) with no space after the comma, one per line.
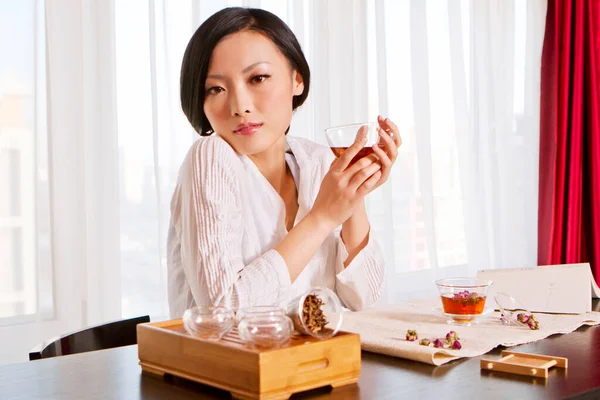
(260,78)
(214,90)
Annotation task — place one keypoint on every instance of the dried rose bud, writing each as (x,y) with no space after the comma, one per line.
(456,345)
(523,318)
(438,343)
(411,335)
(462,295)
(533,325)
(425,342)
(452,336)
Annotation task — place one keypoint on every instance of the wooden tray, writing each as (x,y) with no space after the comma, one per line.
(305,363)
(524,363)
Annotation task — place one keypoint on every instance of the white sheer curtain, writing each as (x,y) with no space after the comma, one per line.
(72,260)
(460,79)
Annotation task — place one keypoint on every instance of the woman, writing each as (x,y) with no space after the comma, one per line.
(258,217)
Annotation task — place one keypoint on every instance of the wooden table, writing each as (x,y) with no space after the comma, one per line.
(115,374)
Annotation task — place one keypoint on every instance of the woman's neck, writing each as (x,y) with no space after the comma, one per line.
(271,163)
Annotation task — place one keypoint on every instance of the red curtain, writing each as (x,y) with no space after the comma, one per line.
(569,187)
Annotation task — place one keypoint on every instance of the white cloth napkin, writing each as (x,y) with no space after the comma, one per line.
(383,330)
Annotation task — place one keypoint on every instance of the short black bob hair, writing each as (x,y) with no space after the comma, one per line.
(197,56)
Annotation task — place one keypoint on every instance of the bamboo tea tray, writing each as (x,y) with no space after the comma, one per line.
(524,363)
(305,363)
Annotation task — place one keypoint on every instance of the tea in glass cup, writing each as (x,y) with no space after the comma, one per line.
(463,299)
(341,137)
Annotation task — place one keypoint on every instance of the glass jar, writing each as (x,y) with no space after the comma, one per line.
(317,313)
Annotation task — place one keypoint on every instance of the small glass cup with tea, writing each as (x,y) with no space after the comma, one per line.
(341,137)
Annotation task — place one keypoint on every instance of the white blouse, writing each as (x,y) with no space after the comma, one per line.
(226,218)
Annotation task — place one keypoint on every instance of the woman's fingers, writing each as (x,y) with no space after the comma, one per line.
(344,160)
(396,131)
(389,127)
(360,164)
(363,175)
(386,163)
(387,150)
(368,173)
(369,185)
(388,145)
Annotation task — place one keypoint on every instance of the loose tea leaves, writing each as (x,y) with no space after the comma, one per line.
(312,314)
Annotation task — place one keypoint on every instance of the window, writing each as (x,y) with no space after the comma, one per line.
(24,221)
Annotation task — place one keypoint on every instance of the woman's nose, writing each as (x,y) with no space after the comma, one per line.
(240,102)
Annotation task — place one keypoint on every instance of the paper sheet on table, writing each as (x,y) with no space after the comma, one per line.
(567,288)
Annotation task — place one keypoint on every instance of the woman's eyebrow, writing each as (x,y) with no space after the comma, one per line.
(248,68)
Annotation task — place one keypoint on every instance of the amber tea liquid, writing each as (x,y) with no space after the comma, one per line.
(454,305)
(365,151)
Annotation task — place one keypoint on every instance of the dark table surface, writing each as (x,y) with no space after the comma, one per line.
(115,374)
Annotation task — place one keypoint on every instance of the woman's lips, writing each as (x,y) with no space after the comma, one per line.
(247,129)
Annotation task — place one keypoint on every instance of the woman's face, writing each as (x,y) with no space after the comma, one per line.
(249,90)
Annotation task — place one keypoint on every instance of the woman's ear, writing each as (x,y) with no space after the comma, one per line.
(298,83)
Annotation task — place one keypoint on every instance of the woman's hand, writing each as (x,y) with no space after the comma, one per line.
(355,230)
(345,185)
(390,136)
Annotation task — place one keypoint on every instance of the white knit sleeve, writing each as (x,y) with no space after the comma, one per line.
(360,284)
(210,230)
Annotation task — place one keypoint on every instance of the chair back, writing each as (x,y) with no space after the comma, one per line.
(99,337)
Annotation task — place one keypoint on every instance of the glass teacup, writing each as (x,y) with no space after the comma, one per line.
(463,299)
(341,137)
(258,311)
(208,322)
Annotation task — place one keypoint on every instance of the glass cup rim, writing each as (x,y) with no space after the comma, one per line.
(259,309)
(278,330)
(268,320)
(353,125)
(208,322)
(476,282)
(209,310)
(521,306)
